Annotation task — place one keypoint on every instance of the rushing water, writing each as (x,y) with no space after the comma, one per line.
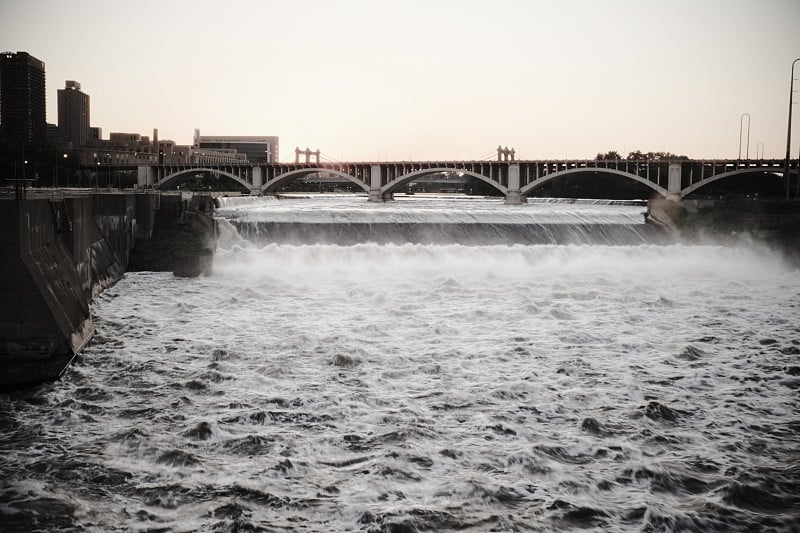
(424,387)
(438,220)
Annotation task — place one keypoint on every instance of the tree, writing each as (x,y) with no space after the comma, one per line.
(638,155)
(655,156)
(611,155)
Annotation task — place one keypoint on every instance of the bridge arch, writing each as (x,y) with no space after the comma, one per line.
(711,179)
(530,187)
(287,177)
(400,181)
(175,176)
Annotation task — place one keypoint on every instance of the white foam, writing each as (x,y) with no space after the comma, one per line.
(433,210)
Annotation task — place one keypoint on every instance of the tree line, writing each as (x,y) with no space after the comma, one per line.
(638,155)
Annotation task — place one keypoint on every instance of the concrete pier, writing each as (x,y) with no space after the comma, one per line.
(513,195)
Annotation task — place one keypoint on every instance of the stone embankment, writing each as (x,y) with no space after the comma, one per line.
(59,250)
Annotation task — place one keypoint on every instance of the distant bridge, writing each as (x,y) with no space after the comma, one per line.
(673,179)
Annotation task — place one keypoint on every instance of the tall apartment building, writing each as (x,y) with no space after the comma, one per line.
(73,115)
(258,149)
(22,98)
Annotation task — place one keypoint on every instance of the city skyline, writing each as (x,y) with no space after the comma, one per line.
(389,81)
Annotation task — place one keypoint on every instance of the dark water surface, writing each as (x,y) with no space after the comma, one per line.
(424,387)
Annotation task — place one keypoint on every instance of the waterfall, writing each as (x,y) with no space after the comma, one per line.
(438,220)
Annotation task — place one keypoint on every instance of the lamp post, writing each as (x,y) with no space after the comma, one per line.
(64,156)
(747,150)
(789,129)
(24,176)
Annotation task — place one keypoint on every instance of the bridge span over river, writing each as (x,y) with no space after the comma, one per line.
(672,179)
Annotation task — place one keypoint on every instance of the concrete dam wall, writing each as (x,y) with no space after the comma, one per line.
(58,252)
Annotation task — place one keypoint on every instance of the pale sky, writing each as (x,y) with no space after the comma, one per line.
(428,79)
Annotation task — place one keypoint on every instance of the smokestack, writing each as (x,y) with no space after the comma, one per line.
(156,147)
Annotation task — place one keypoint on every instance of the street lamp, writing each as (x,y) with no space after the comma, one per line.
(66,168)
(55,183)
(789,129)
(741,120)
(24,176)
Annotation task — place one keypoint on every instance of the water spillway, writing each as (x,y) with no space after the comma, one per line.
(437,220)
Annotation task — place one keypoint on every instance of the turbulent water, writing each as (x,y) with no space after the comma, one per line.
(424,387)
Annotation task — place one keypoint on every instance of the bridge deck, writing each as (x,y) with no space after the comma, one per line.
(670,178)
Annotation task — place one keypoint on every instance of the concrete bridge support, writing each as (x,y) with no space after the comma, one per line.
(513,196)
(145,177)
(258,181)
(375,194)
(674,183)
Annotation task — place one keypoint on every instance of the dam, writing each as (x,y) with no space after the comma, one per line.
(61,249)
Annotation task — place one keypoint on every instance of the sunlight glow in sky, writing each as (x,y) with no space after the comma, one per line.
(427,79)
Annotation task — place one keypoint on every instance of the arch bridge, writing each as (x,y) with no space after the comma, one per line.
(672,179)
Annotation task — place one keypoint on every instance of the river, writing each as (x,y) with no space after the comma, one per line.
(319,383)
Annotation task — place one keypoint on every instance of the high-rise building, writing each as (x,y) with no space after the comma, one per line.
(257,148)
(22,98)
(73,115)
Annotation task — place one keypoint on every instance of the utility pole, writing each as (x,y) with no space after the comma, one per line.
(789,131)
(741,120)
